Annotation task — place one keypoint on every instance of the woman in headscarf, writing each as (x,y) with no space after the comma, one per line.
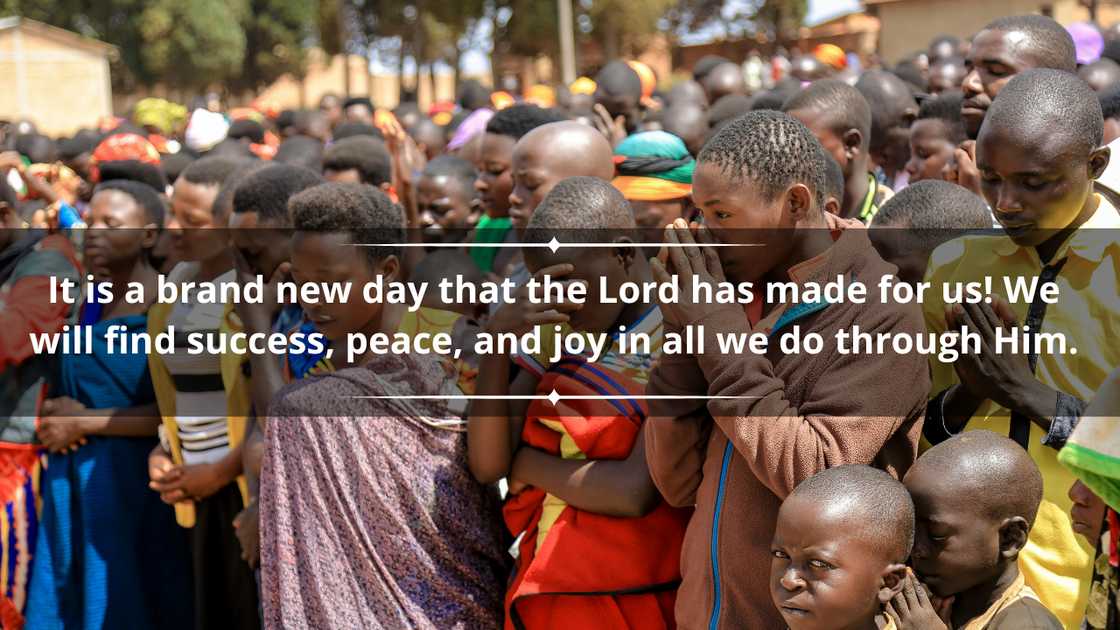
(654,173)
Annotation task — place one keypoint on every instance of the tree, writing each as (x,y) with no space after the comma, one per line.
(777,20)
(275,33)
(193,44)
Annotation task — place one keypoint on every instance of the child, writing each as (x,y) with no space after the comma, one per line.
(94,565)
(599,547)
(369,515)
(495,180)
(689,122)
(446,199)
(840,118)
(970,532)
(920,218)
(788,416)
(946,74)
(892,110)
(934,136)
(618,100)
(839,549)
(1038,179)
(197,466)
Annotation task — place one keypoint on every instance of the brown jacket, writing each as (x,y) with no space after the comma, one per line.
(737,459)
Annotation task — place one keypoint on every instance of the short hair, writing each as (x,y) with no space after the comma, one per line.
(954,41)
(932,212)
(1045,100)
(134,170)
(358,100)
(286,118)
(846,107)
(71,148)
(368,155)
(770,148)
(147,199)
(232,148)
(453,167)
(911,74)
(174,163)
(1110,102)
(473,95)
(706,64)
(888,98)
(860,491)
(302,151)
(768,99)
(834,179)
(211,171)
(578,208)
(946,107)
(36,147)
(517,120)
(727,108)
(246,128)
(1051,44)
(267,190)
(619,79)
(223,201)
(350,129)
(360,210)
(446,263)
(1111,50)
(982,466)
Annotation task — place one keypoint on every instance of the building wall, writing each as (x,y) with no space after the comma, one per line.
(909,25)
(59,87)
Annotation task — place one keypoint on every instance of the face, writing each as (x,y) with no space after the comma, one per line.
(536,170)
(445,207)
(738,212)
(993,59)
(359,114)
(930,149)
(956,545)
(331,107)
(192,225)
(944,77)
(1034,185)
(620,105)
(118,234)
(495,181)
(942,50)
(1087,512)
(821,126)
(591,264)
(822,576)
(657,214)
(326,258)
(265,247)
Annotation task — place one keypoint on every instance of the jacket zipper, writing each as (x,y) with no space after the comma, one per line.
(713,623)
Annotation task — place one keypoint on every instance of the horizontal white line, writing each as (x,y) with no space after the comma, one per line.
(549,397)
(551,246)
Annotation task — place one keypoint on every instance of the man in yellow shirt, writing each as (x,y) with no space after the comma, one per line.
(1038,154)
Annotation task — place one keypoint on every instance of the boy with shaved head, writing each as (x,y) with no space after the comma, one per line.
(1038,153)
(971,528)
(599,546)
(775,418)
(893,108)
(840,118)
(840,547)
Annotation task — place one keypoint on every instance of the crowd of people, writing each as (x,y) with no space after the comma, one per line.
(302,488)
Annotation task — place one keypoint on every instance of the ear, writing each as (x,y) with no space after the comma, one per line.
(832,206)
(1098,161)
(853,140)
(1013,536)
(624,251)
(389,268)
(891,582)
(799,202)
(150,236)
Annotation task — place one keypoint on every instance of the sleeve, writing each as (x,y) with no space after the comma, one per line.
(28,309)
(677,430)
(855,405)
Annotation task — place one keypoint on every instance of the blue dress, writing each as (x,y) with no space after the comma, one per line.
(109,552)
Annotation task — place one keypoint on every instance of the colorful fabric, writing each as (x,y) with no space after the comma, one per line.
(94,566)
(63,181)
(20,466)
(369,515)
(474,123)
(159,113)
(540,95)
(648,81)
(831,55)
(1087,41)
(490,230)
(205,130)
(122,146)
(653,166)
(1093,454)
(501,99)
(583,85)
(1056,562)
(560,581)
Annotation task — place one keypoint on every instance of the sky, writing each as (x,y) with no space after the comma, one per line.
(475,62)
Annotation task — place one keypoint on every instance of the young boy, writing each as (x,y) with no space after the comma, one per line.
(446,199)
(892,110)
(358,159)
(840,118)
(1038,179)
(970,531)
(919,219)
(834,186)
(839,550)
(934,136)
(599,546)
(787,416)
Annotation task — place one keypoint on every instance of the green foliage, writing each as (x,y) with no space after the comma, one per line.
(195,43)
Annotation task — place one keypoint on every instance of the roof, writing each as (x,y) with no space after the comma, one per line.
(60,35)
